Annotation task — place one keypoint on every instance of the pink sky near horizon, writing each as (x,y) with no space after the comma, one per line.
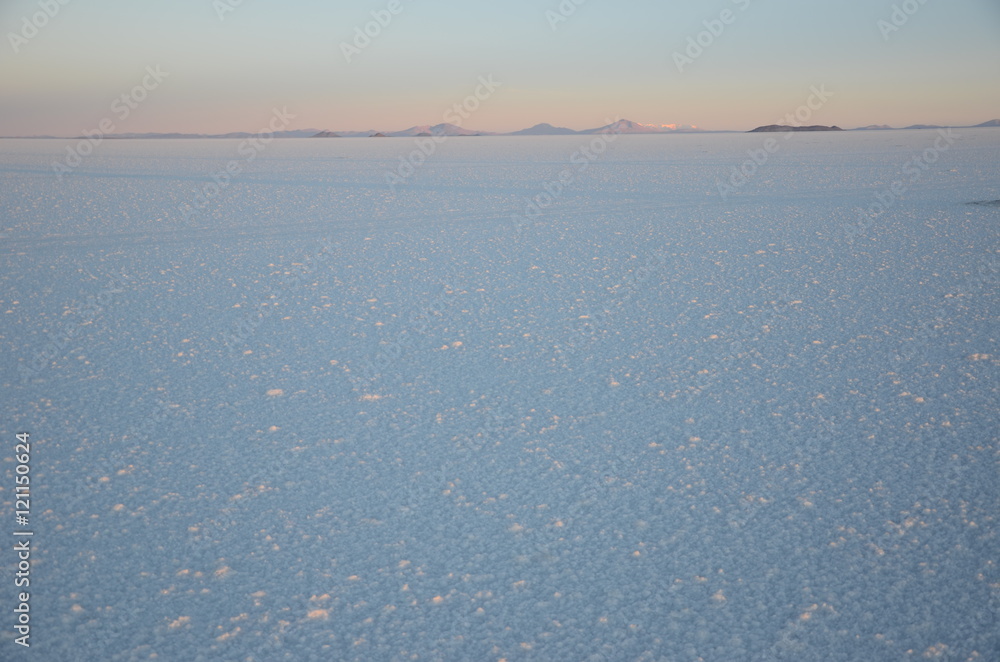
(227,72)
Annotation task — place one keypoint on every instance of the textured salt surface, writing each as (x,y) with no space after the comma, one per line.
(321,420)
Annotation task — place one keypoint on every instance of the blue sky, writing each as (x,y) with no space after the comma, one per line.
(607,59)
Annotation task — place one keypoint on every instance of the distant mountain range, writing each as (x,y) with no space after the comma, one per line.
(779,128)
(426,130)
(620,126)
(886,127)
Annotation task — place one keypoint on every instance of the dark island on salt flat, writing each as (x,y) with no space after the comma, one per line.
(778,128)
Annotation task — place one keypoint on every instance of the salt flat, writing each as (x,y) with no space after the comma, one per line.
(305,415)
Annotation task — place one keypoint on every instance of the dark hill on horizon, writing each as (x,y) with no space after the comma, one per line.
(544,129)
(778,128)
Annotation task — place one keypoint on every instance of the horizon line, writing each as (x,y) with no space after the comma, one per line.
(655,129)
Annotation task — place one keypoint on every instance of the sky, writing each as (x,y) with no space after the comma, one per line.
(227,64)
